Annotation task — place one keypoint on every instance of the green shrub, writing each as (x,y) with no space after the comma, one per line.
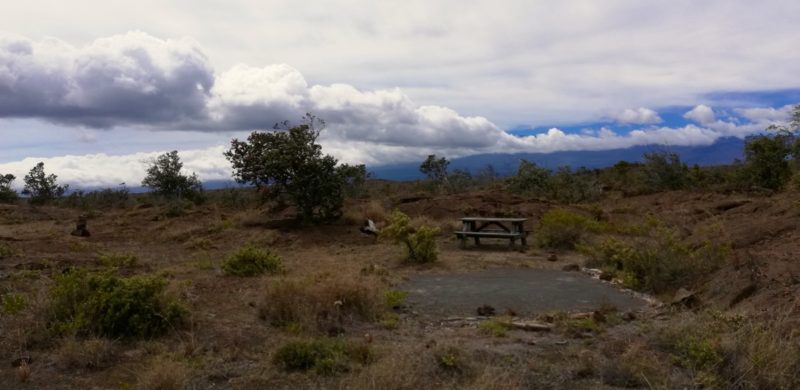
(106,305)
(395,298)
(563,229)
(420,243)
(324,356)
(118,260)
(5,251)
(496,328)
(13,304)
(105,198)
(658,263)
(451,360)
(252,261)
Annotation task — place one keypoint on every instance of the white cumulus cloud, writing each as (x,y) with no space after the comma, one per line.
(639,116)
(701,114)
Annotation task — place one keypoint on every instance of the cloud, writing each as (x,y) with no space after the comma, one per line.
(639,116)
(701,114)
(766,114)
(101,170)
(125,79)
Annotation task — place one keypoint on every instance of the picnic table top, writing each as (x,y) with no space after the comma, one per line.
(490,219)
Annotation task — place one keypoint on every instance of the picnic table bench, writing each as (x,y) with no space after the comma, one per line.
(512,229)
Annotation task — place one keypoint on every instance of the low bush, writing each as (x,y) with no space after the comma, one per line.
(12,304)
(563,229)
(657,263)
(395,298)
(5,251)
(105,198)
(419,242)
(107,305)
(252,261)
(118,260)
(323,356)
(321,305)
(495,327)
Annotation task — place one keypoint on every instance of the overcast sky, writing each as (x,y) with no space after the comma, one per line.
(94,88)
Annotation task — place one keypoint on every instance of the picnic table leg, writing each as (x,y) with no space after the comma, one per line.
(477,240)
(523,237)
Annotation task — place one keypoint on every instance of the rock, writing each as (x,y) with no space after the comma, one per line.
(629,316)
(685,297)
(552,257)
(531,326)
(598,316)
(485,310)
(21,360)
(80,228)
(571,268)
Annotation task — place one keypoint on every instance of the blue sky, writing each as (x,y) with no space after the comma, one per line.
(96,88)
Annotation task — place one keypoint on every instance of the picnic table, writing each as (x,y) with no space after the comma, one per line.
(512,229)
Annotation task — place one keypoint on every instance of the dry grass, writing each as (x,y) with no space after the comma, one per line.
(91,353)
(323,303)
(357,214)
(164,374)
(763,355)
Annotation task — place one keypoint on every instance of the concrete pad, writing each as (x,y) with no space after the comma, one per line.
(525,291)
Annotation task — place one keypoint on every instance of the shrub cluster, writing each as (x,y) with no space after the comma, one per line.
(419,243)
(563,229)
(657,263)
(103,304)
(252,261)
(563,185)
(101,199)
(323,356)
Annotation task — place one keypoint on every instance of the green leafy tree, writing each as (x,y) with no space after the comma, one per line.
(435,169)
(664,171)
(766,165)
(41,187)
(769,157)
(354,178)
(531,179)
(7,194)
(289,167)
(164,177)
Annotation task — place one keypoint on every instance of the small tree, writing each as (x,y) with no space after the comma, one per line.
(164,177)
(420,243)
(435,169)
(664,171)
(7,194)
(41,187)
(765,161)
(531,179)
(290,167)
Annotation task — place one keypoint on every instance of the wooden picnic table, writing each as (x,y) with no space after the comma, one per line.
(512,229)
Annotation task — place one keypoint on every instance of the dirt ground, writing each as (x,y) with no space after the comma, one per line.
(227,345)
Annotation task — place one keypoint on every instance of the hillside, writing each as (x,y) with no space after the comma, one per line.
(232,338)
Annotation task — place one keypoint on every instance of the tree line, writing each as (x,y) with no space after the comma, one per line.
(287,167)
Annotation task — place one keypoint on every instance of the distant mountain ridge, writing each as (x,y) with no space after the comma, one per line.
(723,151)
